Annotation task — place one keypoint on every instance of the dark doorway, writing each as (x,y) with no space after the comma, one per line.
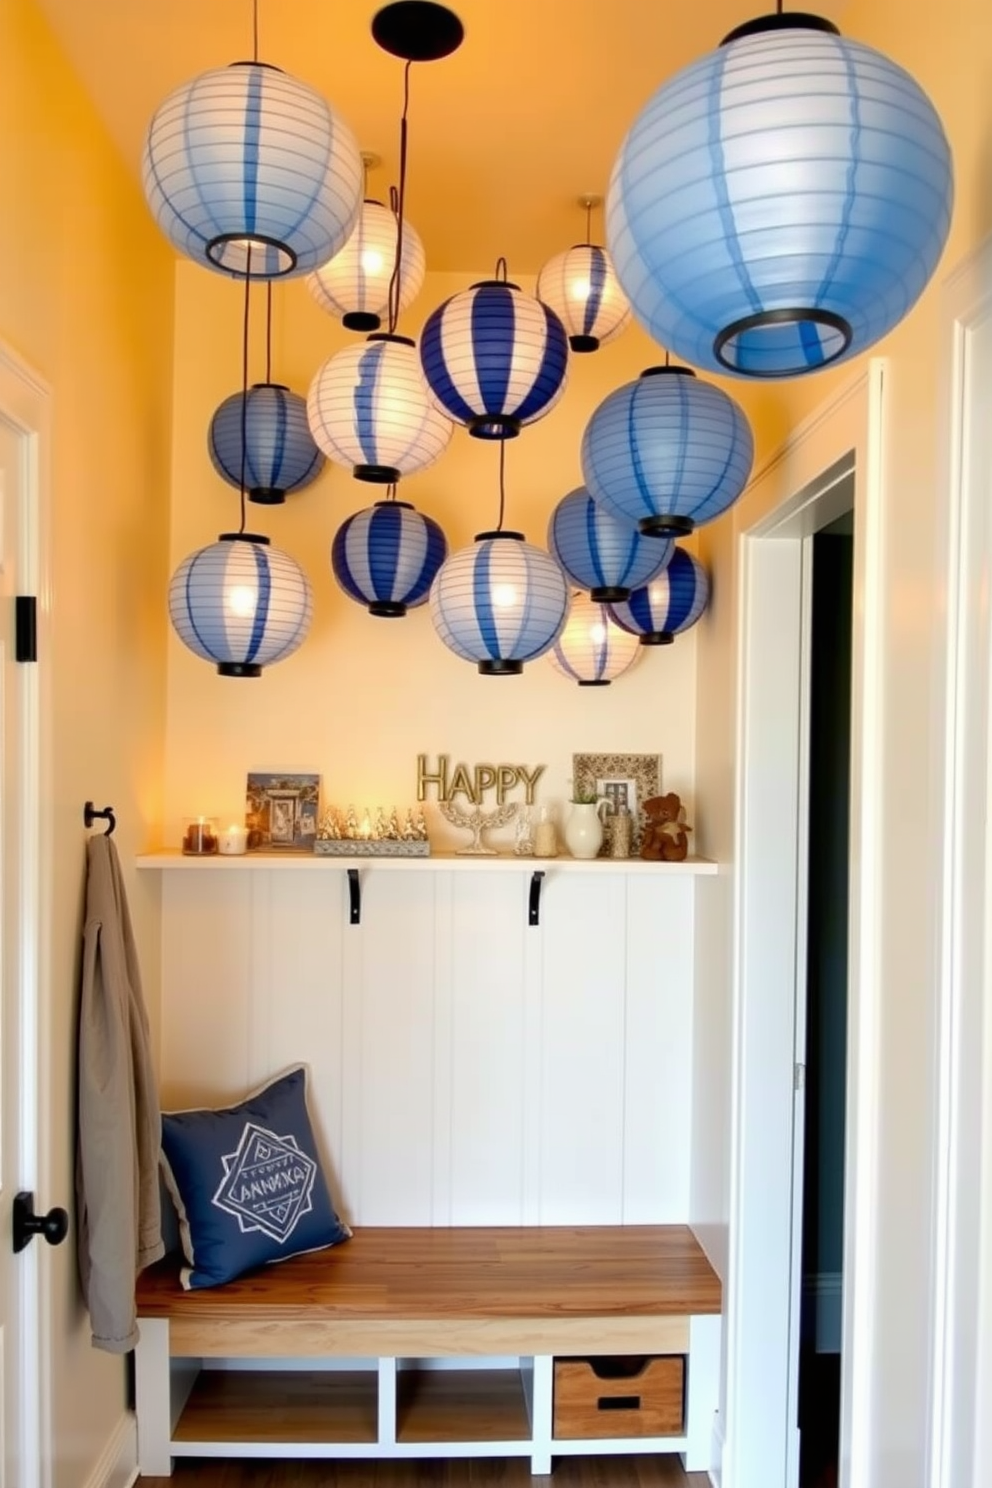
(826,1004)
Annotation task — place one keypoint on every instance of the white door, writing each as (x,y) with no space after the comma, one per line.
(23,1416)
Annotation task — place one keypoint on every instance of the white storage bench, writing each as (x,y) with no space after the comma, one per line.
(432,1342)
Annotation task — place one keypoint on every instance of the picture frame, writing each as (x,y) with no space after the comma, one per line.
(282,811)
(622,779)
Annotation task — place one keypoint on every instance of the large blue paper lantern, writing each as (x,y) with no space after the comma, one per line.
(494,358)
(240,604)
(780,204)
(369,408)
(249,172)
(581,287)
(387,556)
(667,452)
(607,557)
(280,455)
(592,650)
(668,605)
(500,603)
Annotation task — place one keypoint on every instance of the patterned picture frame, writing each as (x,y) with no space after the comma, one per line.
(631,778)
(281,811)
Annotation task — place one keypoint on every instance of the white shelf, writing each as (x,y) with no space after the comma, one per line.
(437,863)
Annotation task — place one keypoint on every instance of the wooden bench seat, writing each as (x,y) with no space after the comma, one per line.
(530,1293)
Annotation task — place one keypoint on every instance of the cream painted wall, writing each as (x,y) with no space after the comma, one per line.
(949,50)
(86,299)
(364,696)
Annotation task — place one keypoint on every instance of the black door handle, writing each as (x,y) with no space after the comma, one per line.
(54,1225)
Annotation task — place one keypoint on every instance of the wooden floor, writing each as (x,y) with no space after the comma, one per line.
(571,1472)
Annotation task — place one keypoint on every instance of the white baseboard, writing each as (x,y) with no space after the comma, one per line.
(823,1309)
(117,1465)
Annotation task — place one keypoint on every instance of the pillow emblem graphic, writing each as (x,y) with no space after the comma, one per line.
(267,1183)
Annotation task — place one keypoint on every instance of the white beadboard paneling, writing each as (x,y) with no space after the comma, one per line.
(582,1050)
(658,1087)
(206,970)
(395,1129)
(487,1028)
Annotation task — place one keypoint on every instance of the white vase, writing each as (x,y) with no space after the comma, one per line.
(584,828)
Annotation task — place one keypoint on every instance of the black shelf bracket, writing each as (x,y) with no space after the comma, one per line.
(534,911)
(354,897)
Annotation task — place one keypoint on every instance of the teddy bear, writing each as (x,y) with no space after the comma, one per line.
(664,838)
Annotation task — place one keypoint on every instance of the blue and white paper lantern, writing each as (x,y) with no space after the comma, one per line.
(667,452)
(581,287)
(354,285)
(668,605)
(494,358)
(249,172)
(607,557)
(592,650)
(240,604)
(369,408)
(780,204)
(500,603)
(280,455)
(387,556)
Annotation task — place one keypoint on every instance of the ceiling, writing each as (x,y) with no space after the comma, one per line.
(505,134)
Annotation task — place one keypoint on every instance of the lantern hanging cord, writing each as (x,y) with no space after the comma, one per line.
(394,283)
(502,272)
(244,387)
(268,331)
(588,222)
(254,27)
(391,491)
(502,484)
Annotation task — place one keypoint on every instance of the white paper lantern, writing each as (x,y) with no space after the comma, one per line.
(354,285)
(500,603)
(581,287)
(250,172)
(592,649)
(370,409)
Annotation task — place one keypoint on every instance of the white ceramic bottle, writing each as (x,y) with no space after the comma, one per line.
(584,828)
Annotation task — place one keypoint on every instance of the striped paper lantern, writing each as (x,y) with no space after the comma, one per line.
(494,358)
(667,452)
(280,455)
(668,605)
(500,603)
(387,556)
(581,287)
(369,408)
(592,649)
(248,171)
(780,204)
(607,557)
(240,604)
(354,285)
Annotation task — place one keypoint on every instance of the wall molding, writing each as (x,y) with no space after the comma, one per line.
(117,1465)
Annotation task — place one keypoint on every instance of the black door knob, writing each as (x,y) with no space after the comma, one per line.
(54,1225)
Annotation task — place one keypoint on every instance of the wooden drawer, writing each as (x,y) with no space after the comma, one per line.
(612,1397)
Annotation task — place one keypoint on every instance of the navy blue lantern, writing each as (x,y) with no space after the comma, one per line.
(779,204)
(607,557)
(668,605)
(494,358)
(386,557)
(280,454)
(667,452)
(240,604)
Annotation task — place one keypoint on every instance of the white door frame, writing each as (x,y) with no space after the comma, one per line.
(25,404)
(960,1428)
(803,487)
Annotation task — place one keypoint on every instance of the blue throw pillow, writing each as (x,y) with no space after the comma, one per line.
(247,1183)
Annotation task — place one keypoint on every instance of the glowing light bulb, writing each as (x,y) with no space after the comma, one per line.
(504,596)
(580,289)
(241,601)
(372,261)
(597,634)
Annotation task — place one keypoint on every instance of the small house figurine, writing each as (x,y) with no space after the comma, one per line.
(664,838)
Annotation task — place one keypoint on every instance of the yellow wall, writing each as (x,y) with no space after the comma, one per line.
(948,49)
(86,299)
(364,696)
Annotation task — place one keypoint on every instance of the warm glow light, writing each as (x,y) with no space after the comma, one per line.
(372,262)
(504,596)
(241,600)
(580,289)
(597,634)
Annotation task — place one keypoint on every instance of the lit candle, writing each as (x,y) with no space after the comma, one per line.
(199,836)
(233,840)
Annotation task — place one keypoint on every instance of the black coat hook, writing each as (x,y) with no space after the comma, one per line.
(90,815)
